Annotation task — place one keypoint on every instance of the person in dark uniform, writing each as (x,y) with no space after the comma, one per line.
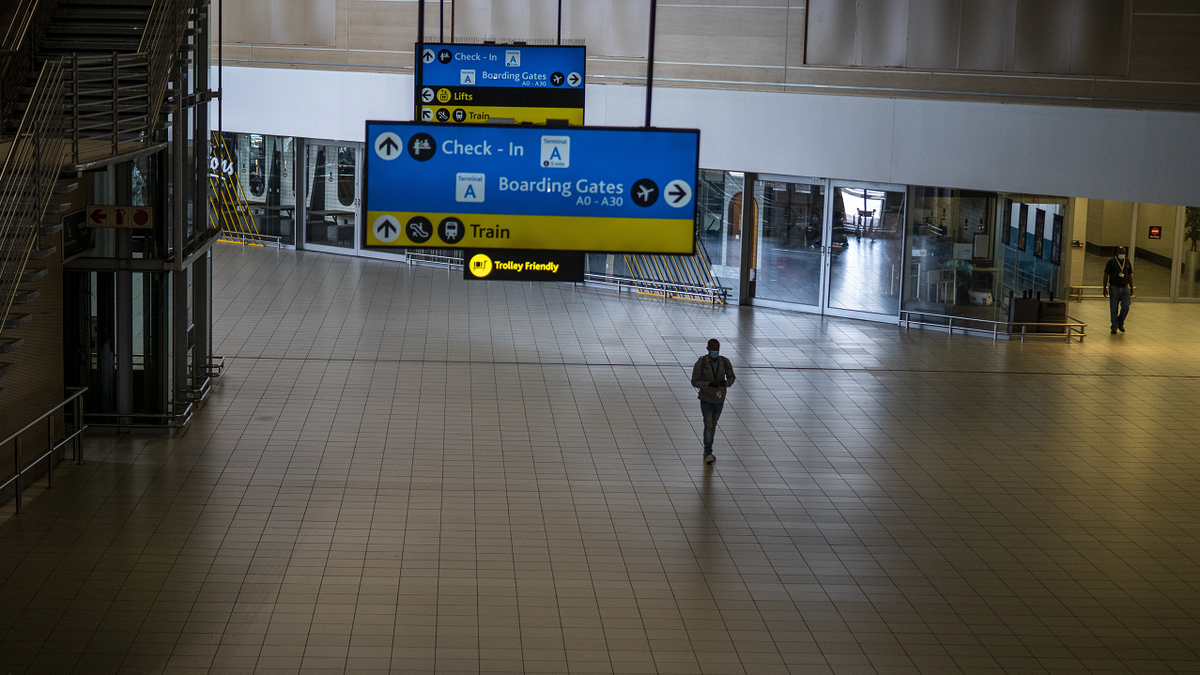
(1118,288)
(712,375)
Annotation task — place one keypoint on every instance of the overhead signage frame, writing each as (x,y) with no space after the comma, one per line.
(599,189)
(533,84)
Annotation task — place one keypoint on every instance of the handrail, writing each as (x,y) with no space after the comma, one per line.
(78,427)
(666,289)
(1073,328)
(165,28)
(27,179)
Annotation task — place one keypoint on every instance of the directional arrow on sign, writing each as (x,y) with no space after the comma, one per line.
(387,146)
(574,79)
(427,56)
(427,95)
(679,193)
(387,228)
(98,216)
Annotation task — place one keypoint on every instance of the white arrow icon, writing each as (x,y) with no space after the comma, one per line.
(678,193)
(574,79)
(387,229)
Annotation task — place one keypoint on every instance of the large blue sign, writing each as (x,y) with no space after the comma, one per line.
(522,187)
(476,83)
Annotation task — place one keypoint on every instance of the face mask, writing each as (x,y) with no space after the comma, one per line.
(713,353)
(1120,256)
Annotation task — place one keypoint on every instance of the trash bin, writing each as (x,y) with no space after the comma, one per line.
(1052,311)
(1021,311)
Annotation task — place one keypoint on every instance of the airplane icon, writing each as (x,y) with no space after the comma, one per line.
(644,193)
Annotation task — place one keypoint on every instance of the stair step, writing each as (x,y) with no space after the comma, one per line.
(3,367)
(66,187)
(7,345)
(25,297)
(50,229)
(42,253)
(16,321)
(31,276)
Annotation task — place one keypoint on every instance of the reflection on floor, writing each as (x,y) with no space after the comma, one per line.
(864,276)
(404,472)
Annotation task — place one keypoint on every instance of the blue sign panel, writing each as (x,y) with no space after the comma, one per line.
(522,187)
(475,83)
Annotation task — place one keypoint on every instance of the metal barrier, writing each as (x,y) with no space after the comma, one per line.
(667,290)
(77,448)
(1071,329)
(1079,293)
(251,238)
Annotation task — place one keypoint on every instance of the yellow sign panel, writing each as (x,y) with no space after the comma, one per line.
(478,114)
(501,231)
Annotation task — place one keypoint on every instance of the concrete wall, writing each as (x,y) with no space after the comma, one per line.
(1126,155)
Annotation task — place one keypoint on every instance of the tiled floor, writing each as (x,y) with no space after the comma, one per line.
(404,472)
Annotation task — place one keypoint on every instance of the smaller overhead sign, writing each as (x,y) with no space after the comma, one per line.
(524,83)
(1155,232)
(508,265)
(106,215)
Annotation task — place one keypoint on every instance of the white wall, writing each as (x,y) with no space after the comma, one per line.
(1128,155)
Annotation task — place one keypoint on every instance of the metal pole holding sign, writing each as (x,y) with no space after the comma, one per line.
(559,42)
(650,60)
(420,57)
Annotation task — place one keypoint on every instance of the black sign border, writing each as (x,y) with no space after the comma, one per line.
(365,225)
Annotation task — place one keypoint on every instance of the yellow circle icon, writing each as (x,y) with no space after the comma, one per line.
(443,95)
(481,265)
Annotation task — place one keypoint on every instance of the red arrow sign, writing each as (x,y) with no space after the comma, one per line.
(97,216)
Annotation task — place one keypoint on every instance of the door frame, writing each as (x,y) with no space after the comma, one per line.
(751,248)
(302,204)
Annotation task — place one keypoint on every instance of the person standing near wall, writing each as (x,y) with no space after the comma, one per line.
(1118,288)
(712,375)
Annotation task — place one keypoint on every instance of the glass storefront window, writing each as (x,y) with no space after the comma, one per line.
(719,225)
(865,269)
(952,254)
(1189,286)
(330,181)
(266,168)
(1033,245)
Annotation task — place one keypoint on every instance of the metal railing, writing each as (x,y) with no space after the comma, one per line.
(77,428)
(716,294)
(251,238)
(161,46)
(27,179)
(16,53)
(1079,293)
(1067,329)
(107,103)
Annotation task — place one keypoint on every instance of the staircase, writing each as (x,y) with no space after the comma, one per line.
(84,85)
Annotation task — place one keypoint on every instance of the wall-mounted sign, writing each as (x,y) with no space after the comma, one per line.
(505,265)
(1155,232)
(137,217)
(476,83)
(526,187)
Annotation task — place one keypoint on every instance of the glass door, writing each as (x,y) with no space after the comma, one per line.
(866,253)
(828,247)
(791,247)
(331,196)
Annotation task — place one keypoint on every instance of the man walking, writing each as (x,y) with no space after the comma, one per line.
(712,375)
(1118,288)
